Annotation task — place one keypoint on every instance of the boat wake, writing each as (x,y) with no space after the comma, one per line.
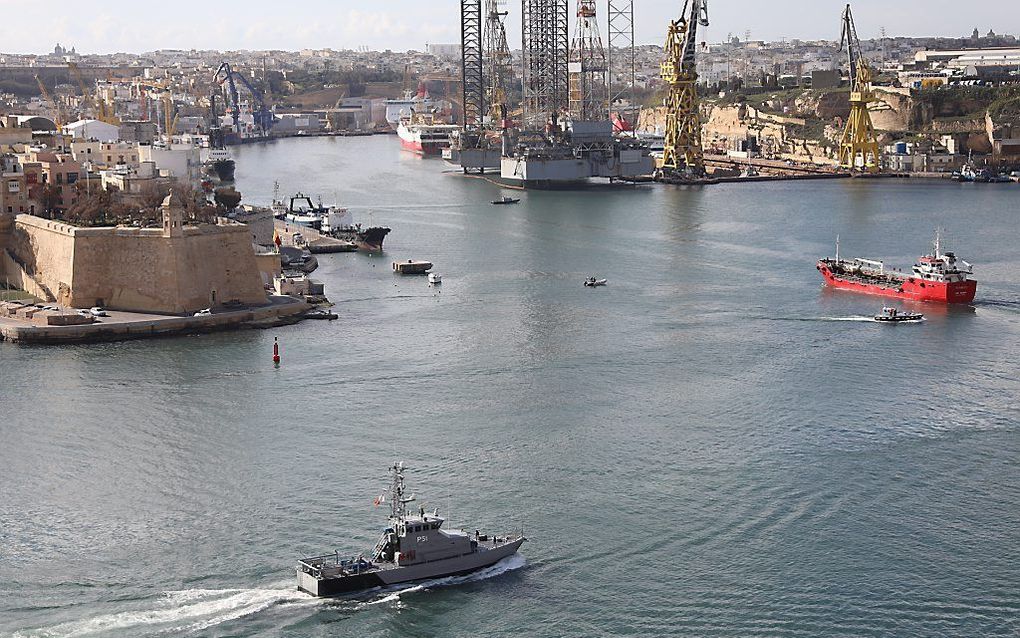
(868,319)
(192,611)
(176,612)
(852,318)
(393,594)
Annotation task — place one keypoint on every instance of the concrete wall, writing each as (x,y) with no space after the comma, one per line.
(140,269)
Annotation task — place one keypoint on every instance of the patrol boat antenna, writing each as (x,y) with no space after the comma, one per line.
(398,502)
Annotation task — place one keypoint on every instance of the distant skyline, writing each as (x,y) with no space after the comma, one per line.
(411,24)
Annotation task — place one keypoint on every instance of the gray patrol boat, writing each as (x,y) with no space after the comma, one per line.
(413,547)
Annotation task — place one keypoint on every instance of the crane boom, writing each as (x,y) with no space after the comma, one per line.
(57,119)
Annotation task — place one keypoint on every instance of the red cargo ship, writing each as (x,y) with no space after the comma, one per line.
(937,277)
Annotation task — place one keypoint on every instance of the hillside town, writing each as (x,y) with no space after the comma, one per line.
(102,140)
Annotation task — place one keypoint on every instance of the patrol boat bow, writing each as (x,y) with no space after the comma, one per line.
(412,547)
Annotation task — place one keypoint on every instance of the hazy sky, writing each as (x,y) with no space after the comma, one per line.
(104,27)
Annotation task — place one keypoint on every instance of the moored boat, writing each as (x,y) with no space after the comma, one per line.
(938,276)
(422,135)
(335,221)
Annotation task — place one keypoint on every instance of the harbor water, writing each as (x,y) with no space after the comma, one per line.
(713,444)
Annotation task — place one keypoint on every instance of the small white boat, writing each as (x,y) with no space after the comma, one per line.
(435,278)
(592,282)
(893,315)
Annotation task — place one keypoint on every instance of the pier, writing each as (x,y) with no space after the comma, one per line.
(120,325)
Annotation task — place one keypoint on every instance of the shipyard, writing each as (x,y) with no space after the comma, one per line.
(509,318)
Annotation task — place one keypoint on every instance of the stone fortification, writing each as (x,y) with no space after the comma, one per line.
(174,270)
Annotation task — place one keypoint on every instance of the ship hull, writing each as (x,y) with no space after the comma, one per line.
(459,566)
(421,148)
(223,170)
(910,288)
(369,240)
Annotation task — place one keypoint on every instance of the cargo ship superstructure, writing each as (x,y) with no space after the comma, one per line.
(938,277)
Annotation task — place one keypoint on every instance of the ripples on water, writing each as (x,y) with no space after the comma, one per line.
(713,444)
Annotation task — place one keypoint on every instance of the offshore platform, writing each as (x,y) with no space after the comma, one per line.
(563,134)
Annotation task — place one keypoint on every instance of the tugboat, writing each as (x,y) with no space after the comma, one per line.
(412,547)
(892,315)
(936,276)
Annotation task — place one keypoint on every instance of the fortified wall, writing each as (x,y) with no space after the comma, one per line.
(174,270)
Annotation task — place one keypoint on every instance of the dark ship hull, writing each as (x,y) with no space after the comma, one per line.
(222,170)
(368,239)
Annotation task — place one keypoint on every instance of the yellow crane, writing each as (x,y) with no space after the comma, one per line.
(683,156)
(858,147)
(57,117)
(101,109)
(170,118)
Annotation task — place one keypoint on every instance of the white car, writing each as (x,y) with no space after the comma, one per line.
(204,313)
(98,312)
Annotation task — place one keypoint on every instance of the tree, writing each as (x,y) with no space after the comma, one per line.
(50,199)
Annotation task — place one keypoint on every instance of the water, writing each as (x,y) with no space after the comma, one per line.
(711,445)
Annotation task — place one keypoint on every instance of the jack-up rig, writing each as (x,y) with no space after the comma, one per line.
(858,148)
(562,135)
(683,157)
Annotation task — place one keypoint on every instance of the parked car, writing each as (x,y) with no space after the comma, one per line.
(97,311)
(204,313)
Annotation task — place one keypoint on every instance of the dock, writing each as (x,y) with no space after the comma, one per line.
(316,242)
(412,267)
(119,325)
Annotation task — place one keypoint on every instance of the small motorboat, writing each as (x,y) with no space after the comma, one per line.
(435,278)
(592,282)
(892,315)
(506,200)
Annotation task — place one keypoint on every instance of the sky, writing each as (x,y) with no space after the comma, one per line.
(107,27)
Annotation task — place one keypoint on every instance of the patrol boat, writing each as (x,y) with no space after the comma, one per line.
(412,547)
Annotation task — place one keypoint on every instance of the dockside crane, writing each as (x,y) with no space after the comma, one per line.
(683,156)
(498,64)
(225,76)
(858,148)
(57,117)
(101,109)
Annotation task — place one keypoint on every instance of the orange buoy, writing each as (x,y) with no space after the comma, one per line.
(276,351)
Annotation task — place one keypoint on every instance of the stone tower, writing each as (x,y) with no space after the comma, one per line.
(173,215)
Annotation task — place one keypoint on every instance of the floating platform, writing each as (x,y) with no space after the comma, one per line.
(412,267)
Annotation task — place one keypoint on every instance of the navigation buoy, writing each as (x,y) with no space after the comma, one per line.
(276,351)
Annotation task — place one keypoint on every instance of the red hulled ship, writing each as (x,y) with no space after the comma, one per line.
(938,276)
(422,135)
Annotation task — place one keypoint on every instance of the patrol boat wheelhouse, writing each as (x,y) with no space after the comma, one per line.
(412,547)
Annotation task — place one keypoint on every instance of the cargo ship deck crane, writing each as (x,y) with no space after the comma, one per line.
(858,147)
(683,156)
